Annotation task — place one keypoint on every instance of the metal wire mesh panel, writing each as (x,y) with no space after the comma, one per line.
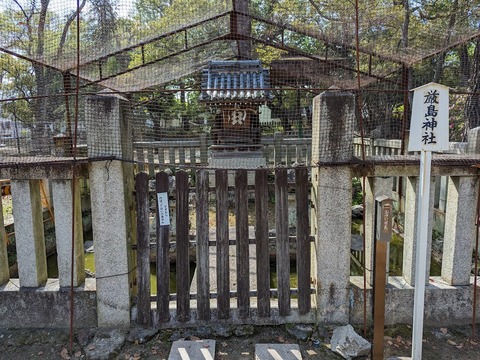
(177,69)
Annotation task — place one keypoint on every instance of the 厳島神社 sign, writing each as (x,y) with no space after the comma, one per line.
(429,124)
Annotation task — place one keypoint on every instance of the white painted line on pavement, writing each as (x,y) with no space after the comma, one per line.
(183,354)
(206,354)
(275,354)
(296,353)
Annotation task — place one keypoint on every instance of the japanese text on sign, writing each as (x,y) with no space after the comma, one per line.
(163,213)
(429,122)
(429,125)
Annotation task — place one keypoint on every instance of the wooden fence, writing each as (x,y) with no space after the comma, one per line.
(253,298)
(158,155)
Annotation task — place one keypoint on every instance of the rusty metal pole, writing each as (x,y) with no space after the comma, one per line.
(383,235)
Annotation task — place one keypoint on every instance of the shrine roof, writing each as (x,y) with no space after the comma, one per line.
(235,81)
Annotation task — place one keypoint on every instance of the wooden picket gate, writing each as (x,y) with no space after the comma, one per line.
(210,305)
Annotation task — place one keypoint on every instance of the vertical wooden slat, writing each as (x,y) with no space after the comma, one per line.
(161,158)
(171,156)
(203,149)
(183,262)
(163,261)
(203,264)
(278,149)
(303,243)
(281,226)
(143,248)
(266,154)
(193,159)
(242,246)
(262,245)
(140,160)
(151,162)
(181,155)
(223,268)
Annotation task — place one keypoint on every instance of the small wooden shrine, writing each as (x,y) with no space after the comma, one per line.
(235,90)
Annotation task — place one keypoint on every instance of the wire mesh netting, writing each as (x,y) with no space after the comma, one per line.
(212,82)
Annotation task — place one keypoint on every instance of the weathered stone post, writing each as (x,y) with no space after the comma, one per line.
(63,199)
(459,235)
(411,228)
(332,150)
(111,189)
(4,269)
(30,240)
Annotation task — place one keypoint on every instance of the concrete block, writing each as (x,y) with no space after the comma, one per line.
(63,206)
(192,349)
(332,246)
(109,132)
(47,306)
(333,127)
(29,236)
(444,303)
(459,229)
(473,146)
(112,236)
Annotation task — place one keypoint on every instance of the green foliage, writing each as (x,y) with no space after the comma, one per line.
(357,192)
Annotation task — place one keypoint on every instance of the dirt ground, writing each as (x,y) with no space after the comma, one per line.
(439,343)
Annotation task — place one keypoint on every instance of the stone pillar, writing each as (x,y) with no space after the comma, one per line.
(332,143)
(113,219)
(4,269)
(63,204)
(410,231)
(376,186)
(29,237)
(459,233)
(473,146)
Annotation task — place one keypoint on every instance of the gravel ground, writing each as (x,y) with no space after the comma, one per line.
(439,343)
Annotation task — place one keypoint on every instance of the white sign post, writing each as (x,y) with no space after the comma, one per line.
(428,132)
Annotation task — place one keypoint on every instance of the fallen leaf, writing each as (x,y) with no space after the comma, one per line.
(40,353)
(194,338)
(473,342)
(459,346)
(444,330)
(206,345)
(78,354)
(154,352)
(224,344)
(281,339)
(64,354)
(396,345)
(390,342)
(311,352)
(451,342)
(91,347)
(399,339)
